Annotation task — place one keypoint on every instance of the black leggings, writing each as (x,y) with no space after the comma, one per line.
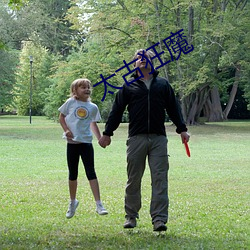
(86,151)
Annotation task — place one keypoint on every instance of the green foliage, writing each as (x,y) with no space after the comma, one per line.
(32,79)
(44,18)
(8,64)
(6,25)
(245,82)
(94,37)
(57,93)
(79,65)
(17,4)
(121,29)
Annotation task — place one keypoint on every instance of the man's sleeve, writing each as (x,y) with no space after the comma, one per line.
(115,115)
(173,109)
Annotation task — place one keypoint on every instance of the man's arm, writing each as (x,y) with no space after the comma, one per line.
(115,115)
(173,109)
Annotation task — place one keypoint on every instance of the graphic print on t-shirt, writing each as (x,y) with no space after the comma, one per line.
(81,112)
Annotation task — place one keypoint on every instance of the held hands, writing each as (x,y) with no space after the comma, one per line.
(104,141)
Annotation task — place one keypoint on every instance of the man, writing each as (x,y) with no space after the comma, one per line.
(147,98)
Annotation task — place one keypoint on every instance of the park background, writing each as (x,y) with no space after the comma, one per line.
(72,39)
(209,192)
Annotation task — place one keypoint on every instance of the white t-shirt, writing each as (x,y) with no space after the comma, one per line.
(78,116)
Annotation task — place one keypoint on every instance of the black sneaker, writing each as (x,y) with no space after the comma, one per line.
(130,223)
(159,226)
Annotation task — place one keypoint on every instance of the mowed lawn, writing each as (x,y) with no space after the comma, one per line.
(209,192)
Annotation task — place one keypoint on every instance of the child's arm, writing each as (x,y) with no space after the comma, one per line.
(62,121)
(95,129)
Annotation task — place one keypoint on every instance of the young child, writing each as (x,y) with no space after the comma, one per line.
(78,116)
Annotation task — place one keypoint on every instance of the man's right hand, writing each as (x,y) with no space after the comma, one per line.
(104,141)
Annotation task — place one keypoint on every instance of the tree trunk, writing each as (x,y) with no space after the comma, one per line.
(232,93)
(203,96)
(196,102)
(213,106)
(193,100)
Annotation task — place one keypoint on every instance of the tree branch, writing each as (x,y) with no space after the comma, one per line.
(123,5)
(114,28)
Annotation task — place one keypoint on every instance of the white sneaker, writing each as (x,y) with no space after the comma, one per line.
(72,208)
(101,210)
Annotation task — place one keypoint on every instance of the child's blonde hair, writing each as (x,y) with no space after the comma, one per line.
(77,83)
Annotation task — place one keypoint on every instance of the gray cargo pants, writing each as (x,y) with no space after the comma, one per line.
(154,147)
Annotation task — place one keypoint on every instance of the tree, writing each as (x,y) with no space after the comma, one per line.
(85,63)
(45,19)
(211,28)
(9,59)
(64,73)
(101,34)
(7,78)
(32,21)
(42,62)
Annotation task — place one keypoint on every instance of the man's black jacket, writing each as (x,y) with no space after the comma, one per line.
(146,107)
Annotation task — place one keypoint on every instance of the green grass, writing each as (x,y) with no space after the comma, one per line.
(209,192)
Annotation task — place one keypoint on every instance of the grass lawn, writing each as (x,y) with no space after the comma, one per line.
(209,192)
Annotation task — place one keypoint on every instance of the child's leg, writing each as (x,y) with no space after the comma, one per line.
(94,185)
(72,189)
(73,161)
(87,155)
(88,162)
(96,192)
(73,201)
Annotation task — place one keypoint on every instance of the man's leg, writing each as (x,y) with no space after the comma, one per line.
(136,159)
(158,163)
